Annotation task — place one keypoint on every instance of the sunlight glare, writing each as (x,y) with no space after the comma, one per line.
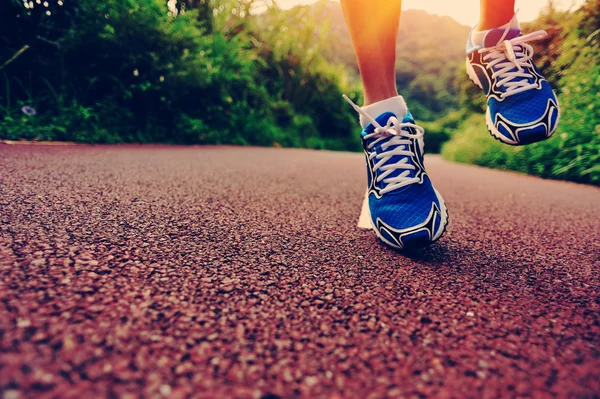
(464,11)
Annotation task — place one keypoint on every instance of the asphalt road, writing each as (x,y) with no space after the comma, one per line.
(239,272)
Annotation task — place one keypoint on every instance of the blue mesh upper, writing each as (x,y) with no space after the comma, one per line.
(525,107)
(404,208)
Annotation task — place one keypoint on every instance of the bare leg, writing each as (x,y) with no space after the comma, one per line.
(495,13)
(374,31)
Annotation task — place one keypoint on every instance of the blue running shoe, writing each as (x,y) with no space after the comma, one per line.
(405,210)
(522,107)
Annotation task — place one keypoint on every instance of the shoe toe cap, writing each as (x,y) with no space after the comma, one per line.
(527,117)
(421,230)
(417,240)
(533,134)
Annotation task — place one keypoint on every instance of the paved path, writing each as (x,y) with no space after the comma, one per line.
(239,272)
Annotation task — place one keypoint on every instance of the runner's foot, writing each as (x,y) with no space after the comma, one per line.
(522,108)
(405,210)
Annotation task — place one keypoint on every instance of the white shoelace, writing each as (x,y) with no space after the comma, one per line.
(398,138)
(505,59)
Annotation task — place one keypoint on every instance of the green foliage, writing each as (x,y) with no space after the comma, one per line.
(571,59)
(136,71)
(439,132)
(296,73)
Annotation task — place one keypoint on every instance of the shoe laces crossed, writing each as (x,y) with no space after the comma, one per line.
(509,55)
(394,134)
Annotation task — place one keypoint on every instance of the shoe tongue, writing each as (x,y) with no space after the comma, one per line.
(492,38)
(408,118)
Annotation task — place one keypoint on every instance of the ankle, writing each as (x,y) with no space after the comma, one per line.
(380,95)
(493,21)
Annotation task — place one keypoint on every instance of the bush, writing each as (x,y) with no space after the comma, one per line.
(136,71)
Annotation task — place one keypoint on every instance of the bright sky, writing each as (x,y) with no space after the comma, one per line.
(464,11)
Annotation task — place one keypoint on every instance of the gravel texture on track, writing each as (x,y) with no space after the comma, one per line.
(154,271)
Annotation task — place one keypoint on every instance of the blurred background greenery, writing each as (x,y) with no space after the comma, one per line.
(246,72)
